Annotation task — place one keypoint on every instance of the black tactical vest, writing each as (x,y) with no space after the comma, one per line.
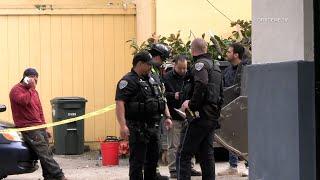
(148,102)
(213,92)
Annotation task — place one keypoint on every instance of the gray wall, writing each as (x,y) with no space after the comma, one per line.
(281,121)
(282,30)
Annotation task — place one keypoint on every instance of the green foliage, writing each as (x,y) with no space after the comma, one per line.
(244,33)
(217,46)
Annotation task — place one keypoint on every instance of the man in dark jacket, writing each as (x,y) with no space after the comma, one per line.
(232,76)
(176,91)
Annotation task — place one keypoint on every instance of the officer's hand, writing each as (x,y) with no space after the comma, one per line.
(168,123)
(176,96)
(185,105)
(124,132)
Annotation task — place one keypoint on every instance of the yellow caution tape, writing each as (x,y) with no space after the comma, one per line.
(95,113)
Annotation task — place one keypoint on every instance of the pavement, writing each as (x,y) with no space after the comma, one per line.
(89,167)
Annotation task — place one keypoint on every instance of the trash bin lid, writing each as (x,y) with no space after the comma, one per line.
(67,99)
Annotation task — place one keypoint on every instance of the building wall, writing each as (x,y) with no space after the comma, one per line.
(76,55)
(284,32)
(281,114)
(199,16)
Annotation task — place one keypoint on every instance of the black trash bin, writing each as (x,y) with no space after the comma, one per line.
(68,138)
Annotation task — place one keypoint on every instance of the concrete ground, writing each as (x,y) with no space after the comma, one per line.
(87,167)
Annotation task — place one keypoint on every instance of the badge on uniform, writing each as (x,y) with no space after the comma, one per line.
(123,84)
(199,66)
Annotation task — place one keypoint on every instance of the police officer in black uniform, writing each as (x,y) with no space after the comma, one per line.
(204,110)
(160,53)
(139,104)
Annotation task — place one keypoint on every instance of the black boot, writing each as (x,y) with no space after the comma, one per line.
(195,173)
(160,177)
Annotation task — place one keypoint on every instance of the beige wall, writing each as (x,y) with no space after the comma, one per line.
(146,19)
(85,54)
(76,55)
(199,16)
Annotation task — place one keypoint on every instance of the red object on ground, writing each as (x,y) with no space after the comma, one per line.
(124,148)
(110,153)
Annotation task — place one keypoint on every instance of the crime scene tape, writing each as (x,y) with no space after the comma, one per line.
(88,115)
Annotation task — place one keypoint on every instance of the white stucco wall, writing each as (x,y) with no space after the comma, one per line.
(282,30)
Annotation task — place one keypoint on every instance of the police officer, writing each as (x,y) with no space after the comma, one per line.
(204,109)
(160,53)
(138,106)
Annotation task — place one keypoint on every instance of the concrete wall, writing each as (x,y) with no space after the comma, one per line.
(281,97)
(282,30)
(281,121)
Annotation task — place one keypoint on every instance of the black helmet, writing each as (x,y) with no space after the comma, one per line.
(160,50)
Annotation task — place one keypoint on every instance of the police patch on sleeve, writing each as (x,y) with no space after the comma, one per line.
(199,66)
(123,84)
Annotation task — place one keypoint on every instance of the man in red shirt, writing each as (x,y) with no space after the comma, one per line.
(27,111)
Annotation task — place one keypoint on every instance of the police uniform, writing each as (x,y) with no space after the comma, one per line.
(144,106)
(204,109)
(156,74)
(161,50)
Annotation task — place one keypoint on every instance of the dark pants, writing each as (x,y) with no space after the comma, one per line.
(144,153)
(38,141)
(233,160)
(196,138)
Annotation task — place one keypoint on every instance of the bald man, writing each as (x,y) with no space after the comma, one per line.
(204,110)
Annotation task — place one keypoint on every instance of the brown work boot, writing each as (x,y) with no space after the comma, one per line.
(231,171)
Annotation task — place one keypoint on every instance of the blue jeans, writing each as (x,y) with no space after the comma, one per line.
(233,160)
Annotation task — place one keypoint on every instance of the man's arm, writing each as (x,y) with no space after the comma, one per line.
(166,111)
(41,112)
(198,96)
(201,82)
(125,90)
(167,121)
(170,94)
(120,112)
(20,97)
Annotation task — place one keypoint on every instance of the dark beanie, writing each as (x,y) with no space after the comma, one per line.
(30,72)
